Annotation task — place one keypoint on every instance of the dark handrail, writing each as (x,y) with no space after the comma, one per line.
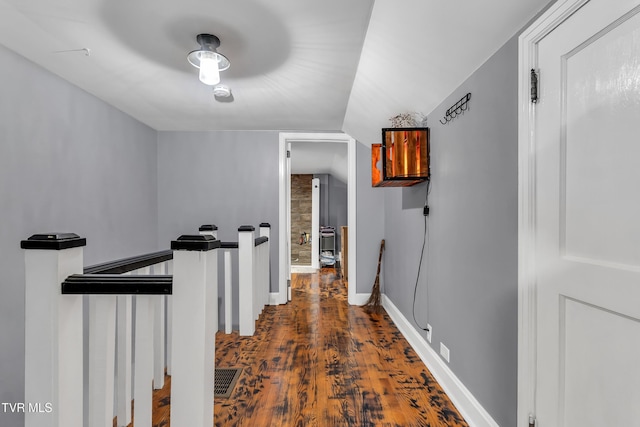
(115,284)
(234,245)
(129,264)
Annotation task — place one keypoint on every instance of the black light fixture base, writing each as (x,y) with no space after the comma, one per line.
(208,41)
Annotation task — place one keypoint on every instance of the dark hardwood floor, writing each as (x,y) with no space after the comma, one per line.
(317,361)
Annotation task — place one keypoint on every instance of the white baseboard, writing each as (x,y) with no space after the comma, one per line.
(303,269)
(274,298)
(471,410)
(360,299)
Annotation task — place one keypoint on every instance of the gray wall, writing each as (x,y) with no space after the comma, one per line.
(226,178)
(324,197)
(333,203)
(470,266)
(68,162)
(370,213)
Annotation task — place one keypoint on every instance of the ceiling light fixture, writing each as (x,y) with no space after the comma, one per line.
(208,60)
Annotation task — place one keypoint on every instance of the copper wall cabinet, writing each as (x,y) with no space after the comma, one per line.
(402,159)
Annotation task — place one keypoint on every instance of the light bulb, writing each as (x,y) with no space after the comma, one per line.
(209,73)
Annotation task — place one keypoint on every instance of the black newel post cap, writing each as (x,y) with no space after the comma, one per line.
(265,225)
(196,242)
(246,228)
(53,241)
(208,227)
(260,240)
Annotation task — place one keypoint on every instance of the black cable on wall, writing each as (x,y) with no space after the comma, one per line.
(425,241)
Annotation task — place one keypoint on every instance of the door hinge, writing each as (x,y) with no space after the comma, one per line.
(532,421)
(534,86)
(288,154)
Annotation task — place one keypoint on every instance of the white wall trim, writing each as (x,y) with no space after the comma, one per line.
(527,60)
(315,223)
(303,269)
(283,273)
(472,411)
(351,219)
(274,298)
(359,299)
(284,173)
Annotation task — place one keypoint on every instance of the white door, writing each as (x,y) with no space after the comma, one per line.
(585,215)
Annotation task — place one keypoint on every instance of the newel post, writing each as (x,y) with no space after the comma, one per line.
(265,231)
(195,261)
(246,275)
(210,230)
(212,291)
(53,331)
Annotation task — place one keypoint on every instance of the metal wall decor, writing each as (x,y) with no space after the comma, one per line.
(457,109)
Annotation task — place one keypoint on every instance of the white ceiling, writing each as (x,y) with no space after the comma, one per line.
(292,62)
(320,157)
(295,64)
(417,52)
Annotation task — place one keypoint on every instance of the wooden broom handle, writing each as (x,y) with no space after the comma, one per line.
(380,256)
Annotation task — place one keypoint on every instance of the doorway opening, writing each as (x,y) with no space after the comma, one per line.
(305,220)
(296,141)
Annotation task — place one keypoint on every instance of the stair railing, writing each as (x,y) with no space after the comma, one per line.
(176,316)
(54,291)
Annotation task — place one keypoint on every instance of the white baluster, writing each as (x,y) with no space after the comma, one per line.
(124,381)
(102,348)
(169,318)
(158,335)
(228,294)
(143,369)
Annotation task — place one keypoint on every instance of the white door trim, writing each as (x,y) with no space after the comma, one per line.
(527,60)
(315,223)
(284,176)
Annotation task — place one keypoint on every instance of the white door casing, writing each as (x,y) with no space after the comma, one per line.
(287,196)
(315,223)
(579,211)
(285,209)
